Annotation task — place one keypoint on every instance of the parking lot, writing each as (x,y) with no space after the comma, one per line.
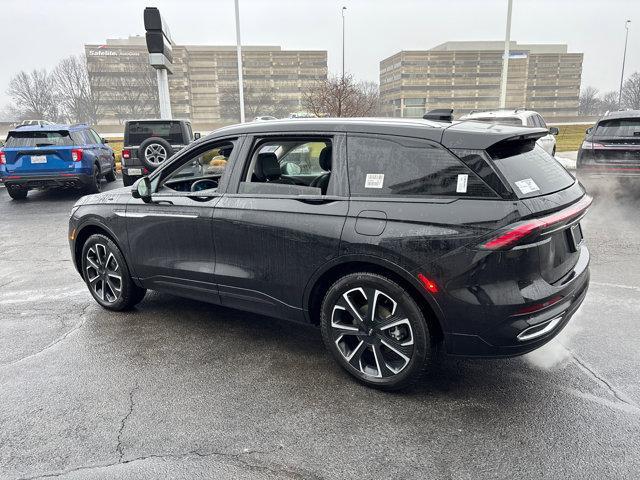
(181,389)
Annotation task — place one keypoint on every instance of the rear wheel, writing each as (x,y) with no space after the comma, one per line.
(17,193)
(112,175)
(375,331)
(94,184)
(106,274)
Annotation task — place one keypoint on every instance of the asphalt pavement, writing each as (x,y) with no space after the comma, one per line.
(181,389)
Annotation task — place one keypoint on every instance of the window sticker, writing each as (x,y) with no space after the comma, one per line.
(374,180)
(463,179)
(527,185)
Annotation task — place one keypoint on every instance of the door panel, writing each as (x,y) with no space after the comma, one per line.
(171,244)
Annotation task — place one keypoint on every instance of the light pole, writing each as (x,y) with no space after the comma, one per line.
(343,9)
(505,59)
(239,50)
(624,57)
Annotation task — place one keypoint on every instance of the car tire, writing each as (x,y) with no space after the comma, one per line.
(94,185)
(154,151)
(112,175)
(390,349)
(17,193)
(107,276)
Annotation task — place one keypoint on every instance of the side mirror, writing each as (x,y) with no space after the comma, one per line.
(104,140)
(196,136)
(554,130)
(142,189)
(588,130)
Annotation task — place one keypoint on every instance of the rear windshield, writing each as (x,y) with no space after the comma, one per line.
(620,127)
(533,172)
(38,139)
(500,120)
(140,131)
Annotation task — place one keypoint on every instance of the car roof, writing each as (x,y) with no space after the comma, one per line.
(621,114)
(158,120)
(459,133)
(54,127)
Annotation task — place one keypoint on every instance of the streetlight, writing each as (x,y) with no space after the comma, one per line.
(343,9)
(239,51)
(624,57)
(505,59)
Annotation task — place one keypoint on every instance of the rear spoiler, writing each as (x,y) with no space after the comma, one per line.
(439,115)
(483,136)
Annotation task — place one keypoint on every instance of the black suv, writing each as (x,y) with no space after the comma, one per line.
(393,235)
(149,143)
(612,146)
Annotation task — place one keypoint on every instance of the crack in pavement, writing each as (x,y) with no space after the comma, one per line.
(236,458)
(52,344)
(119,447)
(590,371)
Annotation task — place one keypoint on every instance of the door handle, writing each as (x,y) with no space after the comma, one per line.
(160,202)
(316,201)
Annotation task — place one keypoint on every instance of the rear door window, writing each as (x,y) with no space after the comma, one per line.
(38,139)
(531,172)
(619,127)
(390,165)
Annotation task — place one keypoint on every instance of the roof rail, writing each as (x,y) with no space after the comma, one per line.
(439,115)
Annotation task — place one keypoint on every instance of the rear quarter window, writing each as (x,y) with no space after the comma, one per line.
(532,172)
(410,167)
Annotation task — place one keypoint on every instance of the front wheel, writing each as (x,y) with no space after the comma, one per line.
(94,185)
(112,175)
(375,331)
(106,274)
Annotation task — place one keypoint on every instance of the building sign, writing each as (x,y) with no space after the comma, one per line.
(103,51)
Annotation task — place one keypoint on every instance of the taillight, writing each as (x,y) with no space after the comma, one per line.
(126,154)
(513,234)
(586,145)
(76,154)
(3,158)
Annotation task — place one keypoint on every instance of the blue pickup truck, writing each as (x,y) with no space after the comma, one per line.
(55,156)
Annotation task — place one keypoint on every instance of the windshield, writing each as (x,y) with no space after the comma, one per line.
(620,127)
(38,139)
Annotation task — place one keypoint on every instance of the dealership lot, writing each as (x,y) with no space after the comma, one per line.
(183,389)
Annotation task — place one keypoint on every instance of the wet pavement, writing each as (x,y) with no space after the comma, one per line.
(181,389)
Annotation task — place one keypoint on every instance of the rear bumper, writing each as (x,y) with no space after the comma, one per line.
(47,181)
(588,167)
(520,334)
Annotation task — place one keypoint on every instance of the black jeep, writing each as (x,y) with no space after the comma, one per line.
(148,143)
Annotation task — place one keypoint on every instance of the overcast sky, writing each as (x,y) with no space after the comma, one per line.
(38,33)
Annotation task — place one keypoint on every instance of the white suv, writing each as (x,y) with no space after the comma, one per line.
(519,117)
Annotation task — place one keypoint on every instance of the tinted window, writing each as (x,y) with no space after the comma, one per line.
(38,139)
(96,138)
(403,166)
(621,127)
(532,172)
(541,121)
(140,131)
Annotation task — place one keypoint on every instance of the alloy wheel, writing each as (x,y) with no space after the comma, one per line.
(103,273)
(372,332)
(155,154)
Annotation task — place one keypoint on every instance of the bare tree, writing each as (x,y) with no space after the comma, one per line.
(257,102)
(608,102)
(589,103)
(79,102)
(33,95)
(133,92)
(338,97)
(631,92)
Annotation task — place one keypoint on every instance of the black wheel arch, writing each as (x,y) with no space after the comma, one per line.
(324,277)
(87,229)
